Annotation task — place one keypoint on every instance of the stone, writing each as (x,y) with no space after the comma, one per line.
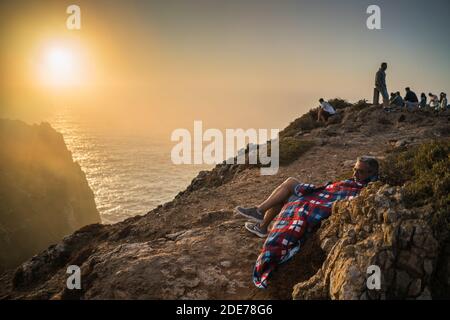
(401,143)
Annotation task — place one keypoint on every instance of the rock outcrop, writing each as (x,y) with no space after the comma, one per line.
(374,229)
(44,194)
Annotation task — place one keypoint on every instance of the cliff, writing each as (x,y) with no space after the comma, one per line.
(194,247)
(44,195)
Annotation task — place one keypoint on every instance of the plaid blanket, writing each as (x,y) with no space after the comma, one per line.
(303,212)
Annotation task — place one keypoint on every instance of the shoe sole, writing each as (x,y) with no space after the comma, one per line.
(248,217)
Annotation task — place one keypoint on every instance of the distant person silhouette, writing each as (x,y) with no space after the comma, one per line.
(423,101)
(443,101)
(325,110)
(396,100)
(411,100)
(434,101)
(380,86)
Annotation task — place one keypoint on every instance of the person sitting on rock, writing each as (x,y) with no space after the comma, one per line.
(297,210)
(397,100)
(411,100)
(443,101)
(434,101)
(325,110)
(423,101)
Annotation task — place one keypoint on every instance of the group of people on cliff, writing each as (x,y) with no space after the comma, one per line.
(394,101)
(410,101)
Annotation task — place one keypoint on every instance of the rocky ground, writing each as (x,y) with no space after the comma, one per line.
(195,247)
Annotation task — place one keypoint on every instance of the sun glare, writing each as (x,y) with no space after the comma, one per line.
(60,66)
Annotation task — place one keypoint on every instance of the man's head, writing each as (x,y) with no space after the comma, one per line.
(384,66)
(407,89)
(366,169)
(321,100)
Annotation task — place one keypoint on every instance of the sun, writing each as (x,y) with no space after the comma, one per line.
(60,66)
(60,62)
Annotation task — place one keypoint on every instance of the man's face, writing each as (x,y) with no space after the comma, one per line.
(361,171)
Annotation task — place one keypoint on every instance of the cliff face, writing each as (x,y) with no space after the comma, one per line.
(44,195)
(194,247)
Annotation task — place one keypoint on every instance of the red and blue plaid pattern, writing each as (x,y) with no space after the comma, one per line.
(303,211)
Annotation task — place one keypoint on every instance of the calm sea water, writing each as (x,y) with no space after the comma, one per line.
(129,174)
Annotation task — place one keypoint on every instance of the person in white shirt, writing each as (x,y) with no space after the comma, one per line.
(325,110)
(434,101)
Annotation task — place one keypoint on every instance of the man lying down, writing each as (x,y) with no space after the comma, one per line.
(297,209)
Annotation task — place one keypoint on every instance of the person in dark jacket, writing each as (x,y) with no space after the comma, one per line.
(411,101)
(380,84)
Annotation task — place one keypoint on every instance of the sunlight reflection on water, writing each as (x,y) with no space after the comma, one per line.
(129,175)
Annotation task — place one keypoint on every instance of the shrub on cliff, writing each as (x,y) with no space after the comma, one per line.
(291,149)
(425,172)
(305,123)
(361,104)
(339,103)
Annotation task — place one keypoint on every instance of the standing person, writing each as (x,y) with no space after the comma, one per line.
(444,101)
(434,101)
(423,101)
(411,101)
(380,85)
(325,110)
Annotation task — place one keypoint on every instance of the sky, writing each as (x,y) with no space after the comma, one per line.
(154,66)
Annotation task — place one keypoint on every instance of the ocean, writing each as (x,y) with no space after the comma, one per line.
(130,174)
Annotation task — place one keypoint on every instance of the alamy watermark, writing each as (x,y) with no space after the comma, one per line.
(374,20)
(73,21)
(374,277)
(231,148)
(74,280)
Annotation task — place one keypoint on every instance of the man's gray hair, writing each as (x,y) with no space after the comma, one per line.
(371,162)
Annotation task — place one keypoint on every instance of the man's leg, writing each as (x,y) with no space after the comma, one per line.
(322,116)
(279,195)
(269,216)
(385,98)
(269,208)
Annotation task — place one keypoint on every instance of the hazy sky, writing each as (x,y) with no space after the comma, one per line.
(155,66)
